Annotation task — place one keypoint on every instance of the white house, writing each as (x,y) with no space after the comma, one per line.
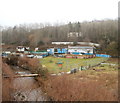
(80,49)
(22,48)
(74,34)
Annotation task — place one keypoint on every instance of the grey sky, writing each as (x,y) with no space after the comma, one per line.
(14,12)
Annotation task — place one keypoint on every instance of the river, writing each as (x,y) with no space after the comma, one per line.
(27,88)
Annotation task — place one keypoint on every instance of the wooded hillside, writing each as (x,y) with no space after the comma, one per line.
(104,32)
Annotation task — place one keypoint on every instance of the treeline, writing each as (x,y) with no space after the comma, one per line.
(104,32)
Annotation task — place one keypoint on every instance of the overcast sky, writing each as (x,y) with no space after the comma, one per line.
(14,12)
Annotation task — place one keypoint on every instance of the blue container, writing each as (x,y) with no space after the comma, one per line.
(76,53)
(50,51)
(103,55)
(64,50)
(88,53)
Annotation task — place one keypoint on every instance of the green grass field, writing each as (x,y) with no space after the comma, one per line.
(68,63)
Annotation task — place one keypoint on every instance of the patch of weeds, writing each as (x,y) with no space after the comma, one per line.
(50,61)
(101,65)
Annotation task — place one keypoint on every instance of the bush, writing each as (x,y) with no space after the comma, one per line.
(33,65)
(12,60)
(40,43)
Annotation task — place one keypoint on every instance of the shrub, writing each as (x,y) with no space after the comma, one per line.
(12,60)
(33,65)
(7,84)
(64,88)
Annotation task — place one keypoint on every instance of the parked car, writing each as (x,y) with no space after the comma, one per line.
(4,55)
(38,56)
(30,56)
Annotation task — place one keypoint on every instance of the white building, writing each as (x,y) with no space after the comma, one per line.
(22,48)
(88,43)
(64,43)
(74,34)
(81,43)
(80,49)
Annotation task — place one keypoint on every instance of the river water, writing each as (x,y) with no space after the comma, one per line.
(27,88)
